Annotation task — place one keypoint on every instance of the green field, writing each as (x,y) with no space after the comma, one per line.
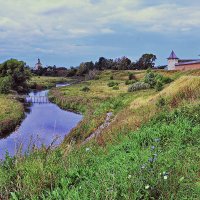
(150,150)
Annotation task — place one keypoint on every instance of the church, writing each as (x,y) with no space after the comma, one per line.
(174,63)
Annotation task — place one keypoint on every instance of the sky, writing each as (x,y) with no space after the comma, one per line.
(68,32)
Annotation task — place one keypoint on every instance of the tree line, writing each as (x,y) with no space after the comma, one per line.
(124,63)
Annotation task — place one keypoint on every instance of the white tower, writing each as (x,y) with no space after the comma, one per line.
(172,61)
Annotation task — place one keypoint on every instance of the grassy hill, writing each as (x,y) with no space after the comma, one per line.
(11,113)
(149,150)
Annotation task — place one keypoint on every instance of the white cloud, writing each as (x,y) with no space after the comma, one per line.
(27,23)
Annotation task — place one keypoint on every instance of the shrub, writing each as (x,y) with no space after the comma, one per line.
(161,102)
(150,78)
(85,89)
(111,77)
(131,76)
(115,87)
(159,86)
(112,83)
(138,86)
(128,82)
(5,85)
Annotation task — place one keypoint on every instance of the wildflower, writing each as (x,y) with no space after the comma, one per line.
(153,147)
(129,176)
(143,166)
(151,160)
(165,177)
(157,140)
(147,187)
(87,149)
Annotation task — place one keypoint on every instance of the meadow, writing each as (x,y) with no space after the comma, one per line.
(150,150)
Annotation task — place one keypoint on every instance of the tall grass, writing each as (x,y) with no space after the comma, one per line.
(11,113)
(159,161)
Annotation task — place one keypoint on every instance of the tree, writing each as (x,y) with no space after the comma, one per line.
(146,61)
(18,74)
(85,67)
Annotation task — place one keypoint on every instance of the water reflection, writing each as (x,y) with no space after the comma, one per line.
(43,123)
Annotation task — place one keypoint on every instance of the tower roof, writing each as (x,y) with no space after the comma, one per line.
(173,56)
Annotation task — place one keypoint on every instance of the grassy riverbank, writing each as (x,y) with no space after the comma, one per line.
(149,150)
(46,82)
(11,113)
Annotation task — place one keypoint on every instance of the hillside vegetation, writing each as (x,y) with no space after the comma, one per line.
(149,150)
(46,82)
(11,113)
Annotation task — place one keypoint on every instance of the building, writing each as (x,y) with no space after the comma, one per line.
(38,65)
(174,63)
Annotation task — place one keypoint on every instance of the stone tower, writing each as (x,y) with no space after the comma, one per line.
(172,61)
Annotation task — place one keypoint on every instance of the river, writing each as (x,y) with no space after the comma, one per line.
(43,123)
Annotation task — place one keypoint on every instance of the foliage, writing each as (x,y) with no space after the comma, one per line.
(111,77)
(146,61)
(112,83)
(138,86)
(5,85)
(11,113)
(85,89)
(131,76)
(150,78)
(159,86)
(18,74)
(115,87)
(129,82)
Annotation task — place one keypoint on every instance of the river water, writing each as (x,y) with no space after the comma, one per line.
(43,123)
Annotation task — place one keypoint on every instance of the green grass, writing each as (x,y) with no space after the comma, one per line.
(149,151)
(46,82)
(11,113)
(159,161)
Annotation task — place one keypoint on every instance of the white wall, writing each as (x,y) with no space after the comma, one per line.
(171,64)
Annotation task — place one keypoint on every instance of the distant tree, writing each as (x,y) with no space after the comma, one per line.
(146,61)
(84,68)
(18,74)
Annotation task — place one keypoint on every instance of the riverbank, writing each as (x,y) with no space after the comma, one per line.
(11,114)
(149,150)
(46,82)
(101,99)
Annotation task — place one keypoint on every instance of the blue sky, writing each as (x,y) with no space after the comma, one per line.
(67,32)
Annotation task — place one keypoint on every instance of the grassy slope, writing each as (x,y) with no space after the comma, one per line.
(11,113)
(46,82)
(123,167)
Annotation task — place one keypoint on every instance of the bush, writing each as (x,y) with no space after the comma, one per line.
(129,82)
(138,86)
(131,76)
(115,87)
(112,83)
(150,78)
(5,85)
(85,89)
(159,86)
(111,77)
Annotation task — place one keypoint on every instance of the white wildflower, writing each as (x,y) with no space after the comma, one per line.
(165,177)
(147,187)
(129,176)
(87,149)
